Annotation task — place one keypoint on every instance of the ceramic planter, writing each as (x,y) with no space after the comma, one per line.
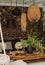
(29,49)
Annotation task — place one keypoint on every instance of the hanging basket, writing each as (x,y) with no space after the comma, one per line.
(34,13)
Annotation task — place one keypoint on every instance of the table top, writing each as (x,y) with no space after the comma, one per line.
(26,57)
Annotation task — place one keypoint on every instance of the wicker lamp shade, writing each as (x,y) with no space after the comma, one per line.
(34,13)
(23,21)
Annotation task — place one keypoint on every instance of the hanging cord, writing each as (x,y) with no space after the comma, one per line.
(11,2)
(23,5)
(11,5)
(16,3)
(33,2)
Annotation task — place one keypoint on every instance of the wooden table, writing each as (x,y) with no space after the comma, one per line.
(27,57)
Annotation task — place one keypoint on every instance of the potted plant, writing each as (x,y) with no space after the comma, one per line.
(32,42)
(27,44)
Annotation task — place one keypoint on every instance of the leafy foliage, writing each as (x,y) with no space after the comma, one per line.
(34,42)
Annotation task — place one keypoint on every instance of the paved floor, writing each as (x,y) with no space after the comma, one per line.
(37,63)
(23,63)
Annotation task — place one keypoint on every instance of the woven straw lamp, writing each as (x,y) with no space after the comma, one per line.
(33,13)
(23,19)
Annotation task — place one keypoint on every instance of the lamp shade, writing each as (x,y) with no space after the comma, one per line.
(34,13)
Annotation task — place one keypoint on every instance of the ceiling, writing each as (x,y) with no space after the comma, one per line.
(41,3)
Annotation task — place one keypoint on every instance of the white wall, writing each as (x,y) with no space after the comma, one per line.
(20,2)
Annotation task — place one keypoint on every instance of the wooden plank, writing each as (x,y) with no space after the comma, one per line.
(27,57)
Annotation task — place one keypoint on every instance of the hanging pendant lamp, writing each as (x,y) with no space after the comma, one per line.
(23,19)
(34,13)
(10,21)
(16,11)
